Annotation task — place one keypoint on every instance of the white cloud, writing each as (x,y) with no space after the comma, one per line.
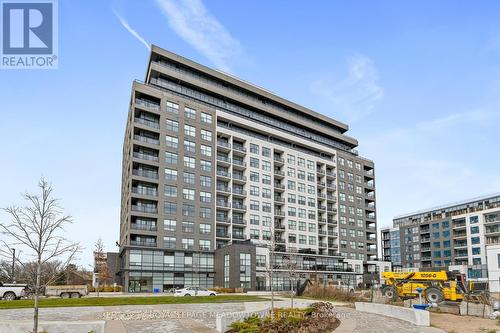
(134,33)
(474,117)
(356,95)
(199,28)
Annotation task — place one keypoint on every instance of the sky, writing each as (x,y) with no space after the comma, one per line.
(418,82)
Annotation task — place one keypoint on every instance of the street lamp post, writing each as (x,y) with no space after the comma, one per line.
(13,280)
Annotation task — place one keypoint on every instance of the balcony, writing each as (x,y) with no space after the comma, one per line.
(222,188)
(223,159)
(145,191)
(145,173)
(331,198)
(332,221)
(332,233)
(321,244)
(146,157)
(279,199)
(146,139)
(238,236)
(239,206)
(223,145)
(279,186)
(239,191)
(279,173)
(321,207)
(321,220)
(239,221)
(145,209)
(460,234)
(460,244)
(147,104)
(279,226)
(321,184)
(144,227)
(240,177)
(279,213)
(222,219)
(331,174)
(279,160)
(331,186)
(369,184)
(322,232)
(240,148)
(320,171)
(142,243)
(321,196)
(224,174)
(223,204)
(147,122)
(223,234)
(239,163)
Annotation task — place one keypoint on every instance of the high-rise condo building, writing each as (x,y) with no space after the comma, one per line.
(216,171)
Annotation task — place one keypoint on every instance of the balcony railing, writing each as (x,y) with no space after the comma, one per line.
(223,144)
(330,174)
(224,219)
(145,209)
(240,221)
(148,104)
(223,159)
(223,234)
(238,176)
(320,171)
(321,184)
(239,191)
(279,159)
(146,227)
(239,162)
(150,123)
(279,199)
(239,206)
(279,173)
(142,243)
(145,173)
(224,204)
(280,186)
(223,188)
(145,156)
(279,213)
(146,139)
(145,191)
(223,174)
(239,148)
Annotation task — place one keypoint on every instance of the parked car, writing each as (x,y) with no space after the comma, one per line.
(67,291)
(194,291)
(343,286)
(12,291)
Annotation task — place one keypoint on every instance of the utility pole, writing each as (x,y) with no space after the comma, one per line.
(12,278)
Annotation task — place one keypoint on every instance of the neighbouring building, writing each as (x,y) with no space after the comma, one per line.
(463,236)
(210,160)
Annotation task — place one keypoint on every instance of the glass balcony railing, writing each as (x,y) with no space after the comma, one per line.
(148,104)
(147,122)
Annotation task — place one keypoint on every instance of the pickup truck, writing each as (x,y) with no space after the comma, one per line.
(343,286)
(12,291)
(67,291)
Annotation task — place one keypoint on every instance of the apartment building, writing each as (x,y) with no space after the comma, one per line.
(463,236)
(211,161)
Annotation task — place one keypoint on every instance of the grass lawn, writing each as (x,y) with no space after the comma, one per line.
(110,301)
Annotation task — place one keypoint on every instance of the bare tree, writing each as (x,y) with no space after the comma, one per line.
(101,265)
(37,228)
(290,267)
(270,268)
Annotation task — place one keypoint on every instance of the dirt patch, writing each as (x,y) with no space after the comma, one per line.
(463,324)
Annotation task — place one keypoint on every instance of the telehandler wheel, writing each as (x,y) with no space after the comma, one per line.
(390,292)
(434,295)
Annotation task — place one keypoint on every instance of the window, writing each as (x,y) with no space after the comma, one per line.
(475,240)
(188,194)
(172,125)
(341,161)
(254,205)
(474,219)
(291,198)
(292,211)
(245,270)
(189,113)
(302,239)
(172,142)
(254,162)
(266,179)
(171,174)
(190,130)
(170,207)
(254,149)
(291,172)
(302,226)
(260,260)
(187,243)
(171,158)
(254,219)
(254,234)
(170,191)
(435,226)
(189,146)
(187,210)
(358,166)
(266,221)
(266,165)
(435,234)
(266,193)
(204,245)
(188,177)
(445,224)
(169,242)
(266,207)
(172,107)
(206,181)
(291,159)
(188,227)
(205,212)
(254,176)
(206,165)
(301,162)
(446,233)
(205,197)
(292,225)
(476,250)
(206,118)
(310,165)
(206,135)
(266,152)
(169,225)
(446,243)
(474,230)
(291,185)
(189,162)
(206,150)
(312,240)
(312,227)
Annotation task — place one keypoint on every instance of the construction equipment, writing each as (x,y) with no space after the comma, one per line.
(436,286)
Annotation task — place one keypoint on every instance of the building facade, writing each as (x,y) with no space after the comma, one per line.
(463,234)
(210,160)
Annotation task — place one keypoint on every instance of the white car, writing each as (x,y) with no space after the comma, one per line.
(194,291)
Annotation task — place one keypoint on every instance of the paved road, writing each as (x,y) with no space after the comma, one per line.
(201,317)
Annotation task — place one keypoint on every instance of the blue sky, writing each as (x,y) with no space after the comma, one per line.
(417,81)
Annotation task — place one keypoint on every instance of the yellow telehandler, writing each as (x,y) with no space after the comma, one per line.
(436,287)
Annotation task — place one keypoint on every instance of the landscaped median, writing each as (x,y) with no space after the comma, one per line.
(111,301)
